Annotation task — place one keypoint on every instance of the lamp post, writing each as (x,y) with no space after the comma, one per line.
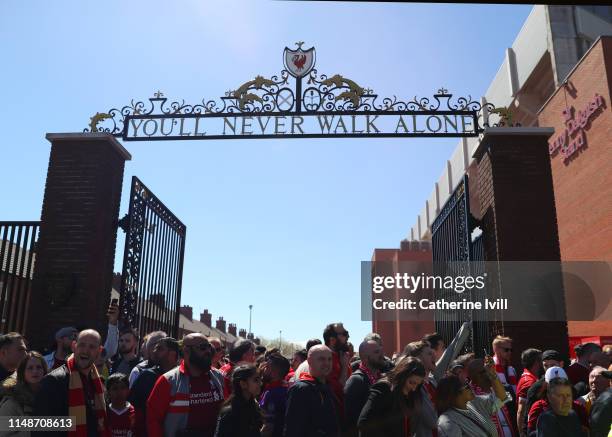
(250,314)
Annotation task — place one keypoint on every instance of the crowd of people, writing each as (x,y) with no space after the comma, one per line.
(161,386)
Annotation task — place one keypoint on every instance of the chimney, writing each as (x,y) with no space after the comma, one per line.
(242,333)
(206,318)
(187,311)
(158,299)
(220,324)
(232,329)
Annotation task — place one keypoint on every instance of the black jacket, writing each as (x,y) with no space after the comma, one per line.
(601,414)
(52,400)
(116,360)
(356,391)
(239,419)
(140,391)
(311,411)
(551,425)
(382,415)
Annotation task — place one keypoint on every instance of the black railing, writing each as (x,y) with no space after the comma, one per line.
(152,264)
(454,253)
(17,261)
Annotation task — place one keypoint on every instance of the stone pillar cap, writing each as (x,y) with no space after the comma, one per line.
(491,133)
(91,136)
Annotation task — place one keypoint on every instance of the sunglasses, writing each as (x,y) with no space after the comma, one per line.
(345,333)
(202,346)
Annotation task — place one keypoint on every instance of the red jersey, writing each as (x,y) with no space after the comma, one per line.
(204,405)
(526,380)
(333,379)
(121,423)
(290,375)
(227,370)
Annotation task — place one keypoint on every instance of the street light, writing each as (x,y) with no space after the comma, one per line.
(250,314)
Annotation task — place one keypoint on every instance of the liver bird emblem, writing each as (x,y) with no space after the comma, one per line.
(299,61)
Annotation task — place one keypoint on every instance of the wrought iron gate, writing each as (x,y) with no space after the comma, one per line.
(152,264)
(452,243)
(17,258)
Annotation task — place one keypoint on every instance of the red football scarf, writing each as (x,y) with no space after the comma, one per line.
(305,376)
(494,417)
(373,377)
(76,401)
(507,374)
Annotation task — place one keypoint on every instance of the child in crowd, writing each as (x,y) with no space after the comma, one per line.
(121,414)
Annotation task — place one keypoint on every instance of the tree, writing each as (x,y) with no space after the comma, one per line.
(287,348)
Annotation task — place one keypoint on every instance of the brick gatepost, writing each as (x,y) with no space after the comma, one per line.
(517,207)
(76,247)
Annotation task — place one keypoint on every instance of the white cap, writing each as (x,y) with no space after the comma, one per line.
(555,372)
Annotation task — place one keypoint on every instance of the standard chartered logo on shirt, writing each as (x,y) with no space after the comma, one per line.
(207,397)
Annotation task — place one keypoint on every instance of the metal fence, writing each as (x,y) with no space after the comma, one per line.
(152,264)
(455,253)
(17,261)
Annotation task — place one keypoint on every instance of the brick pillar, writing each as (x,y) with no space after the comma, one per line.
(76,246)
(517,207)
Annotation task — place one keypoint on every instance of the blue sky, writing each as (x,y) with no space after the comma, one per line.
(280,224)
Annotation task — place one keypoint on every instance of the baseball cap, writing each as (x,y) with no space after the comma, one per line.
(67,331)
(555,372)
(552,355)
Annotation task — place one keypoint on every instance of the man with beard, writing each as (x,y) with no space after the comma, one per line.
(127,358)
(75,389)
(311,409)
(13,351)
(186,400)
(68,334)
(162,359)
(147,351)
(357,386)
(336,339)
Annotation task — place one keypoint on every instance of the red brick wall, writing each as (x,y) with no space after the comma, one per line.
(583,193)
(518,209)
(582,186)
(397,334)
(76,247)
